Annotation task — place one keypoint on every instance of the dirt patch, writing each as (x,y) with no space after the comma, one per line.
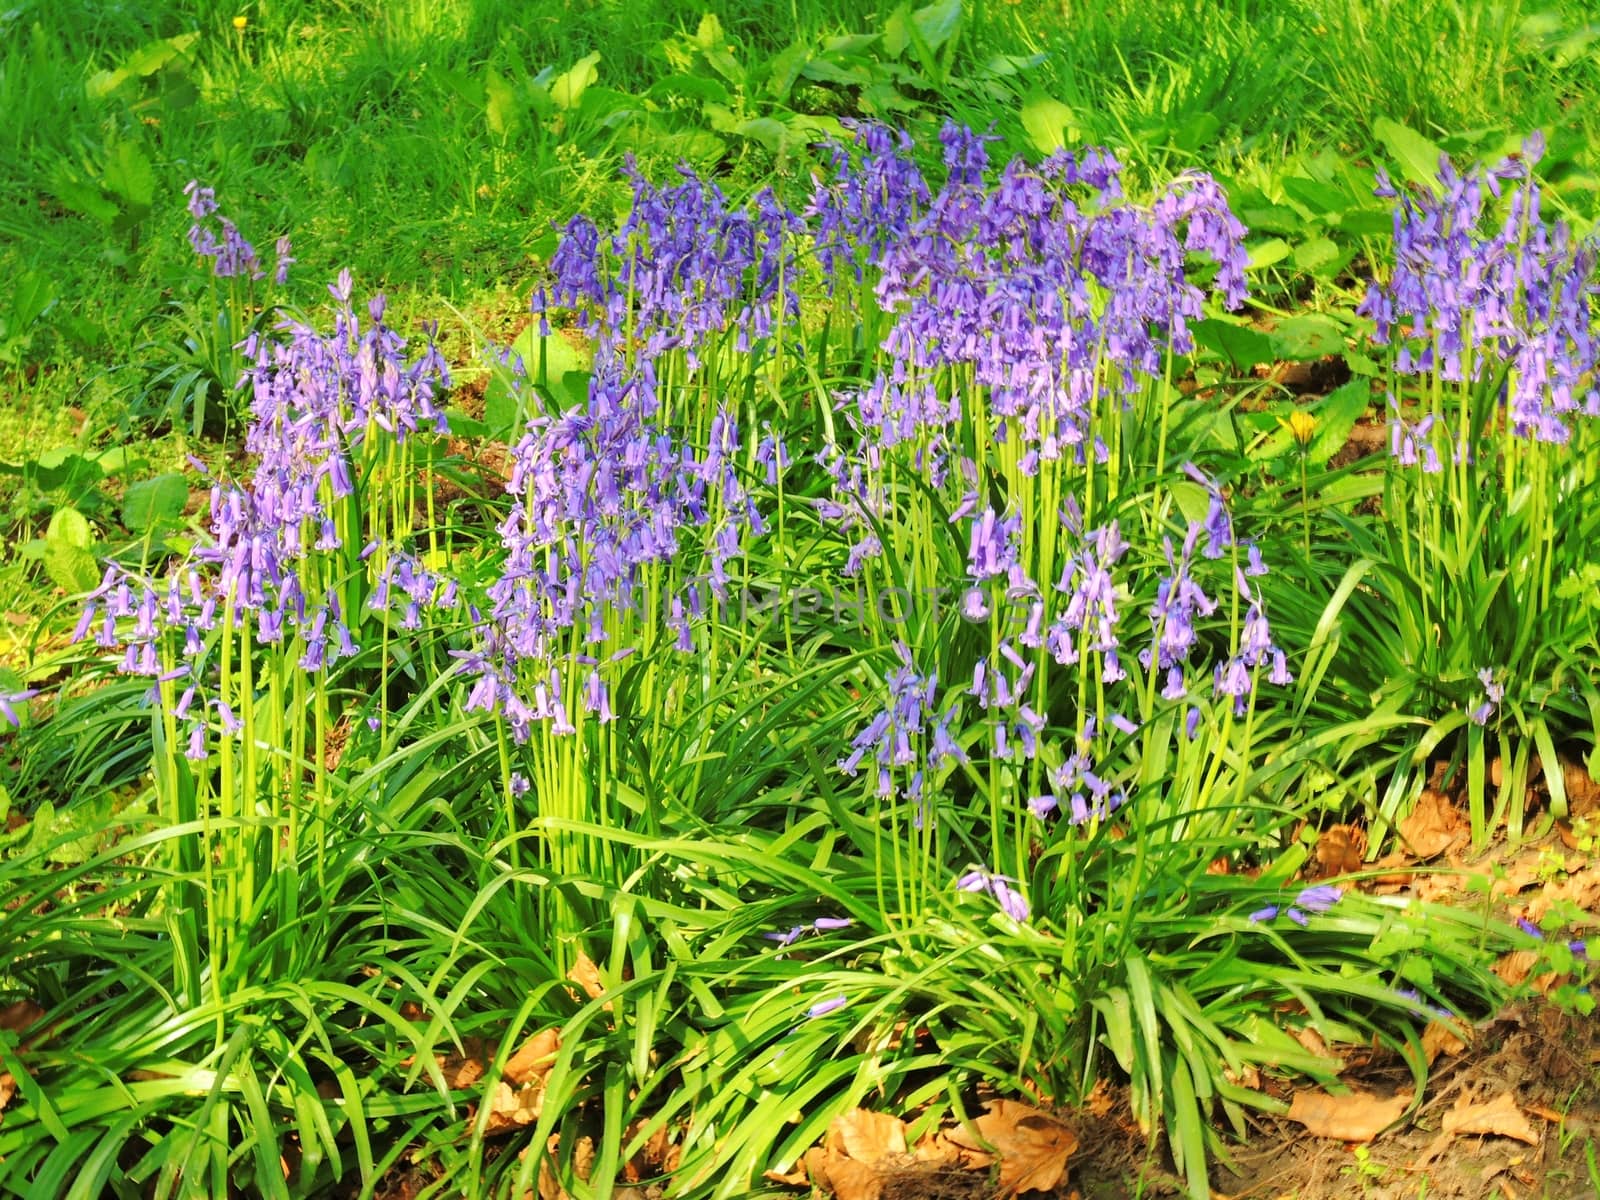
(1545,1060)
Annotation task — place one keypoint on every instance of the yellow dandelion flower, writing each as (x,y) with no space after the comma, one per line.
(1302,427)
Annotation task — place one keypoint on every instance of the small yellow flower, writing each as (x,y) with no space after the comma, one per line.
(240,22)
(1302,427)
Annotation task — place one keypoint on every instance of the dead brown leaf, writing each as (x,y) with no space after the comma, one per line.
(8,1089)
(514,1107)
(1313,1041)
(1339,850)
(1581,887)
(870,1137)
(1033,1146)
(1514,967)
(1099,1101)
(1249,1077)
(1500,1117)
(1444,1037)
(20,1016)
(1583,793)
(829,1168)
(582,1164)
(938,1150)
(586,975)
(850,1161)
(1357,1117)
(1434,825)
(533,1058)
(1396,869)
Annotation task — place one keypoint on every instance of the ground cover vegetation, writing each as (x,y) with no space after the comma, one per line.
(605,607)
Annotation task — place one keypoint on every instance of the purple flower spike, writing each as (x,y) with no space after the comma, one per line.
(8,712)
(1012,902)
(823,1007)
(1319,898)
(1269,913)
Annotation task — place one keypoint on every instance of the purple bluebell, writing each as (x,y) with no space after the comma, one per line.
(1010,900)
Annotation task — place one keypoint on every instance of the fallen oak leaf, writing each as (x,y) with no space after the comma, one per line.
(831,1169)
(533,1058)
(1500,1117)
(1339,850)
(1444,1037)
(1356,1117)
(586,975)
(851,1160)
(1033,1147)
(870,1137)
(1433,826)
(513,1108)
(20,1016)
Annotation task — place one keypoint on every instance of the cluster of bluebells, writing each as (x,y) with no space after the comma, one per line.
(908,736)
(683,268)
(1002,887)
(1318,898)
(606,502)
(1494,692)
(217,238)
(318,403)
(1046,286)
(1089,797)
(1479,286)
(620,523)
(1016,303)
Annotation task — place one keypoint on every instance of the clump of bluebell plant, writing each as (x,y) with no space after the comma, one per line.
(1019,318)
(1487,321)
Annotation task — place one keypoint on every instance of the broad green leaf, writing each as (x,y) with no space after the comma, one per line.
(784,68)
(770,132)
(1337,414)
(1318,256)
(1415,155)
(63,468)
(69,527)
(897,31)
(568,89)
(938,22)
(117,459)
(1048,123)
(1315,196)
(129,175)
(151,503)
(693,87)
(831,69)
(1271,218)
(153,56)
(1365,222)
(709,34)
(1242,346)
(32,292)
(500,108)
(1307,337)
(1265,254)
(1195,131)
(71,568)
